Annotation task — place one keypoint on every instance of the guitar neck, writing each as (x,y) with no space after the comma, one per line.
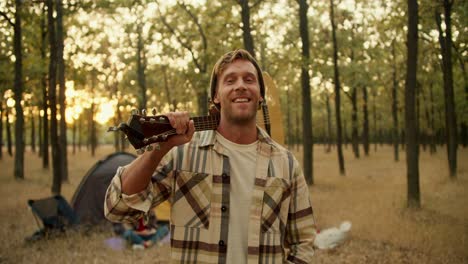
(205,122)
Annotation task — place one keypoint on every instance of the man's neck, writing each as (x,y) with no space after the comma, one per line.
(240,134)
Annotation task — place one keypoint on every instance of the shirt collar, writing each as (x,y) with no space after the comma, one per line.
(208,138)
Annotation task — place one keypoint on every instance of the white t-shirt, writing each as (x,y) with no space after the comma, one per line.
(242,160)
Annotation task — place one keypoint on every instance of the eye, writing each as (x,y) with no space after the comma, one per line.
(249,79)
(229,80)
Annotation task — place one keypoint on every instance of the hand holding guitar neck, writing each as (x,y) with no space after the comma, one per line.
(175,127)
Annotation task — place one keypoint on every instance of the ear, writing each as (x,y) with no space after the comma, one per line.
(215,99)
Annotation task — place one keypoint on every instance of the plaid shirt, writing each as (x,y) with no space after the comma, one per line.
(195,178)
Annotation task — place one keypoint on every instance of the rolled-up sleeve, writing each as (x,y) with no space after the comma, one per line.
(120,207)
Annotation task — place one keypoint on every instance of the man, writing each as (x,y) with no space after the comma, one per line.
(236,196)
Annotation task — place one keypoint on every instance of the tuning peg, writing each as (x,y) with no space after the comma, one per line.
(152,121)
(135,112)
(149,148)
(153,111)
(143,112)
(140,151)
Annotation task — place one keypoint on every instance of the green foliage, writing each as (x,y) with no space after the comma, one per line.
(183,39)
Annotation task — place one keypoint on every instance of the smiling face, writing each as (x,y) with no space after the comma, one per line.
(238,92)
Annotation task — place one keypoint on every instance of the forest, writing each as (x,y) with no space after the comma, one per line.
(371,96)
(351,72)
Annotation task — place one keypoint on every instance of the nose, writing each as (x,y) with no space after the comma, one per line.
(240,85)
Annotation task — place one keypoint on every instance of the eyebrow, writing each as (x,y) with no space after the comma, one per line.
(232,74)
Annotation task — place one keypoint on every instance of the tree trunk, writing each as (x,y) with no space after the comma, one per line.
(8,129)
(432,130)
(56,151)
(18,95)
(354,123)
(365,130)
(337,92)
(246,30)
(450,114)
(395,130)
(418,117)
(329,123)
(306,101)
(411,131)
(61,79)
(427,117)
(33,133)
(1,128)
(45,95)
(92,122)
(39,138)
(80,132)
(74,137)
(298,128)
(374,115)
(288,119)
(167,89)
(463,126)
(141,68)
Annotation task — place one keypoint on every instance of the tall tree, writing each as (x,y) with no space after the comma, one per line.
(395,130)
(141,65)
(329,122)
(198,50)
(18,94)
(61,80)
(445,40)
(45,95)
(336,80)
(1,128)
(54,138)
(365,124)
(246,29)
(33,131)
(306,101)
(411,129)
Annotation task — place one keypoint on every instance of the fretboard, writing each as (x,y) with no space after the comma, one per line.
(205,122)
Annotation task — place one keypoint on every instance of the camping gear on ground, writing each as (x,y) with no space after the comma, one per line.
(332,237)
(52,214)
(87,203)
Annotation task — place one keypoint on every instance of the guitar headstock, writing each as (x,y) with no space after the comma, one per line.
(142,130)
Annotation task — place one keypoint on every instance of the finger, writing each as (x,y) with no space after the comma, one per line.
(191,129)
(181,122)
(171,118)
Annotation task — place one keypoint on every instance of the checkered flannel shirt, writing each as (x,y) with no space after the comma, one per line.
(195,178)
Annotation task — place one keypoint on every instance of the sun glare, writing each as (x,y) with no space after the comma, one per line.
(106,110)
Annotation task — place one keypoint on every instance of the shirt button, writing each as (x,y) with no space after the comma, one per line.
(223,208)
(221,243)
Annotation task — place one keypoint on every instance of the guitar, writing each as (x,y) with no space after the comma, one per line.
(142,130)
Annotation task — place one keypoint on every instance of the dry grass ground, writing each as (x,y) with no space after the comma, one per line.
(372,196)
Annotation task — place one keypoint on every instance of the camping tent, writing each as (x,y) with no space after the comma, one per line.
(88,200)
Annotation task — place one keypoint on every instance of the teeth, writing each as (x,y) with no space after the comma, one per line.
(241,100)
